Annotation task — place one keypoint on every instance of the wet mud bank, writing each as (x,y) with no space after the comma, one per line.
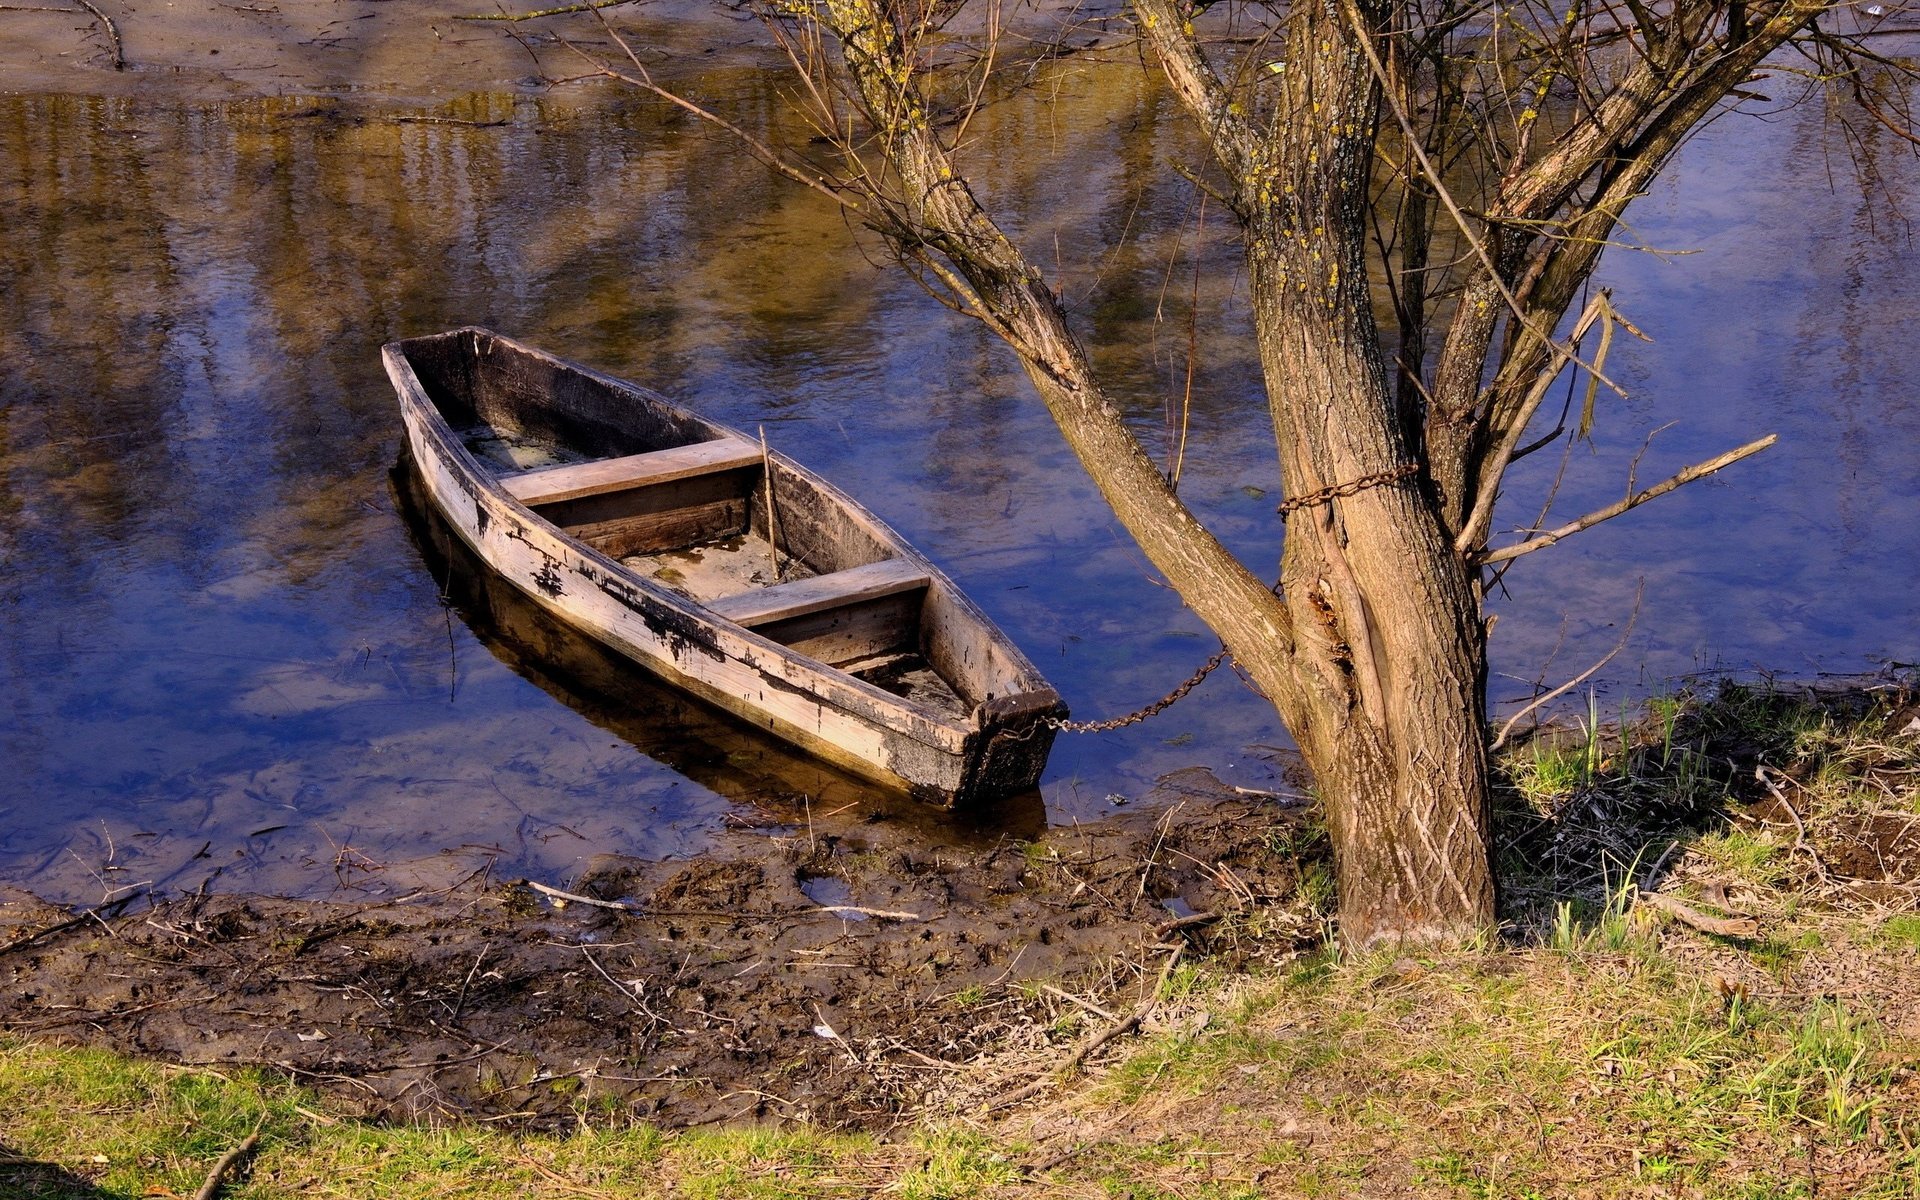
(840,977)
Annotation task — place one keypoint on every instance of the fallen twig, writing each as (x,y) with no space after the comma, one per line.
(113,35)
(1124,1025)
(228,1162)
(1160,837)
(449,121)
(561,1181)
(460,1002)
(878,914)
(626,992)
(1187,922)
(545,12)
(850,910)
(1280,799)
(571,898)
(1733,927)
(1764,774)
(1082,1001)
(425,1064)
(115,904)
(49,931)
(98,1015)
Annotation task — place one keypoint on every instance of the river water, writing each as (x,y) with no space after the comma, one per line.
(225,652)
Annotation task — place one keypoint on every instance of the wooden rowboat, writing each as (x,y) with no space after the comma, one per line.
(728,570)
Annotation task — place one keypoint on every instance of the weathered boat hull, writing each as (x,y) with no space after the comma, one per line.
(559,549)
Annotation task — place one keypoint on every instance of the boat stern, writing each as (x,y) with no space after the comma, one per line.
(1010,747)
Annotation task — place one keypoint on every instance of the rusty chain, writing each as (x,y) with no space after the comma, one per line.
(1349,488)
(1338,490)
(1152,710)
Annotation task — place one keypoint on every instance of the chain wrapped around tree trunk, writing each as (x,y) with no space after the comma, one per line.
(1338,490)
(1349,488)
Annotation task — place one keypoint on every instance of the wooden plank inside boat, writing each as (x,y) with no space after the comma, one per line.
(664,516)
(552,485)
(855,633)
(803,596)
(865,612)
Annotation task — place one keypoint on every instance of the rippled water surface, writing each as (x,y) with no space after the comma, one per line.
(225,650)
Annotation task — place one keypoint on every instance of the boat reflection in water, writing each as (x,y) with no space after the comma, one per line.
(775,783)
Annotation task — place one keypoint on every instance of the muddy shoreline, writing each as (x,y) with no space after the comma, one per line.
(746,985)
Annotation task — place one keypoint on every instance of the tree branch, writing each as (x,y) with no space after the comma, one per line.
(1194,80)
(1629,156)
(1697,471)
(113,34)
(1473,528)
(940,214)
(210,1188)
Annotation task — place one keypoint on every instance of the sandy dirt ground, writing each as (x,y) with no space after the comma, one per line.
(411,51)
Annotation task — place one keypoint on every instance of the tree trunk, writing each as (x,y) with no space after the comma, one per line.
(1372,646)
(1389,656)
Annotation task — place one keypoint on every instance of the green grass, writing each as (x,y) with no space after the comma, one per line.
(115,1128)
(1513,1075)
(1492,1073)
(1902,931)
(957,1164)
(1756,785)
(1594,1053)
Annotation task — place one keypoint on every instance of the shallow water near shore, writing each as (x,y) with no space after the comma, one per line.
(228,659)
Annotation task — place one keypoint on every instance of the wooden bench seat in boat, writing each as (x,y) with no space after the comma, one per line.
(836,589)
(555,485)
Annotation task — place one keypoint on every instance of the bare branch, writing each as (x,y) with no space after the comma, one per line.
(759,149)
(1551,271)
(1434,181)
(216,1177)
(113,34)
(561,897)
(1233,137)
(943,225)
(542,12)
(1731,927)
(1496,460)
(1697,471)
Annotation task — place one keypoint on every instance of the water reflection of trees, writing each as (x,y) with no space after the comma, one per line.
(193,424)
(1848,321)
(222,272)
(85,256)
